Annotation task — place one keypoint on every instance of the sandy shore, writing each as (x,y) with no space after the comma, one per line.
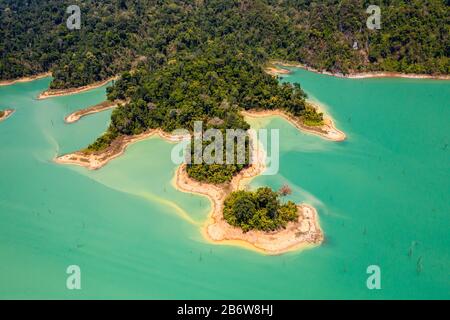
(274,71)
(302,233)
(51,93)
(362,75)
(96,160)
(7,114)
(327,130)
(25,79)
(105,105)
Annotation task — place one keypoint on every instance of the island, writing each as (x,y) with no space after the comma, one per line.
(5,114)
(315,123)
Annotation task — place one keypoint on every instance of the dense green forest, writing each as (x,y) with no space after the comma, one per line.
(34,38)
(209,84)
(258,210)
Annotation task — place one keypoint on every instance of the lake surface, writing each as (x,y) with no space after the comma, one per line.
(382,196)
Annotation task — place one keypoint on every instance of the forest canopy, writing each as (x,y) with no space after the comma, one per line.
(258,210)
(114,34)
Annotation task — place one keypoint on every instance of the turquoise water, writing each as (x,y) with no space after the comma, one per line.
(382,196)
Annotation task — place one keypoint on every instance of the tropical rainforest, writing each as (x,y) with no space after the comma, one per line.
(114,34)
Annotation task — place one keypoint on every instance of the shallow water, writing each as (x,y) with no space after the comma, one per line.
(382,197)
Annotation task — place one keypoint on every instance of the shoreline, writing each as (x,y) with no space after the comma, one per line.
(301,234)
(274,70)
(52,93)
(327,131)
(25,79)
(97,160)
(7,113)
(102,106)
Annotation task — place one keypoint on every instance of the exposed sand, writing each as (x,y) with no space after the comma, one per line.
(361,75)
(300,234)
(327,130)
(96,160)
(105,105)
(51,93)
(274,70)
(305,232)
(7,114)
(25,79)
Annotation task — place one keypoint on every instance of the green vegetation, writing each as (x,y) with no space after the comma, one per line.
(258,210)
(211,85)
(311,117)
(219,173)
(414,35)
(183,61)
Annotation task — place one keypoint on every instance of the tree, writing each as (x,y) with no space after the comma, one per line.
(285,190)
(258,210)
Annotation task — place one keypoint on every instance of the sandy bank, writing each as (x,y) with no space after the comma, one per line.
(51,93)
(105,105)
(25,79)
(327,130)
(361,75)
(274,71)
(96,160)
(7,114)
(302,233)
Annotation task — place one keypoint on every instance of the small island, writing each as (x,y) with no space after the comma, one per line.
(94,160)
(5,114)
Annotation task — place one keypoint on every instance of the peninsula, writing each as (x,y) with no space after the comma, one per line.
(51,93)
(105,105)
(301,232)
(25,79)
(275,69)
